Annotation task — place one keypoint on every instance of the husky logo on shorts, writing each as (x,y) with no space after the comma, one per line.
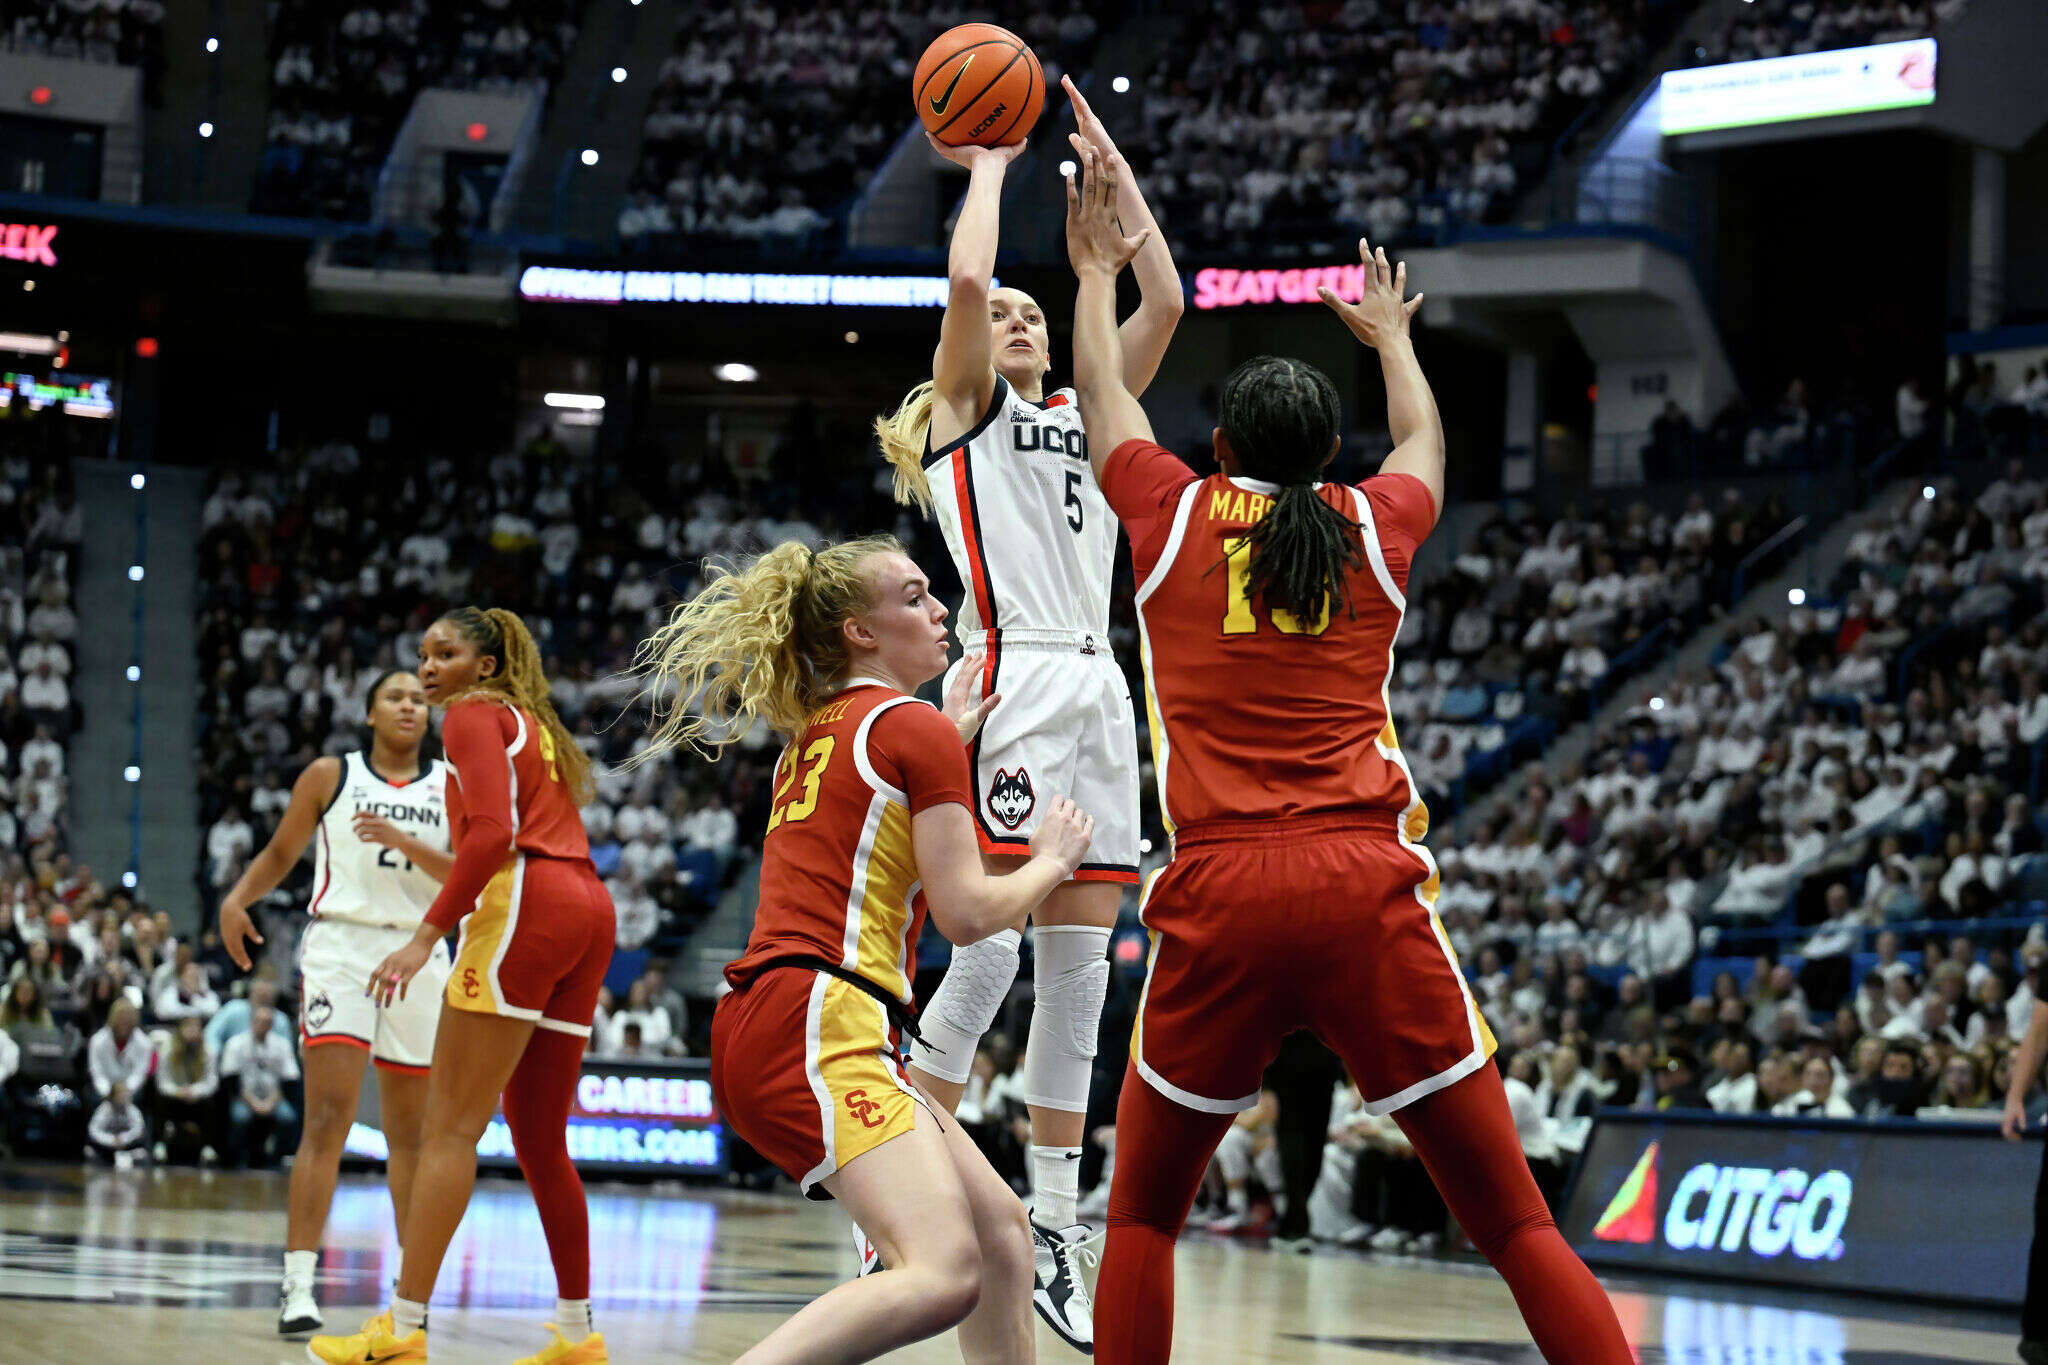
(1010,798)
(318,1011)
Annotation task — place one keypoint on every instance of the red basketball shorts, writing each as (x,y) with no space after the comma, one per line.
(1261,928)
(803,1070)
(537,945)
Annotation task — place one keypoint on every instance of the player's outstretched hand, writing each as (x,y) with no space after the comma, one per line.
(1384,313)
(237,932)
(389,980)
(966,157)
(1095,241)
(1064,834)
(2014,1124)
(1088,128)
(961,706)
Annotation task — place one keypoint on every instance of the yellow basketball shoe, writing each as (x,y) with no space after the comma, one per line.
(377,1344)
(560,1351)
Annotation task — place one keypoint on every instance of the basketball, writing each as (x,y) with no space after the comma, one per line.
(978,84)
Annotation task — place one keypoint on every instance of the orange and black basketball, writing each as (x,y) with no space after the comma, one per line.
(978,84)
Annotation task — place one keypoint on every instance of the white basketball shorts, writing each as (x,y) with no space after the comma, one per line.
(1063,728)
(336,958)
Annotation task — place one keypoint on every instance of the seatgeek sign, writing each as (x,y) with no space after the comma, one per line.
(570,284)
(1224,287)
(29,243)
(626,1117)
(1834,1205)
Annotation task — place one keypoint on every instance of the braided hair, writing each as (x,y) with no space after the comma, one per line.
(500,634)
(1281,418)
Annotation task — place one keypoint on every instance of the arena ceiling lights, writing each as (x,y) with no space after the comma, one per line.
(568,284)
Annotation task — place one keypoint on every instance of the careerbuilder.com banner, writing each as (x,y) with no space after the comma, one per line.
(1852,80)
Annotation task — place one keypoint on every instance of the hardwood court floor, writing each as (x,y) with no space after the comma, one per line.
(97,1266)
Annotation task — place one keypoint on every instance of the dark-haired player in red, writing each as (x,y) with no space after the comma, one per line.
(1299,895)
(537,931)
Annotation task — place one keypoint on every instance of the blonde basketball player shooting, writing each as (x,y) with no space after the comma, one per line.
(1004,467)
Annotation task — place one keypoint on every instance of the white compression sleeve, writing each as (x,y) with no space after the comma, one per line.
(1070,972)
(976,984)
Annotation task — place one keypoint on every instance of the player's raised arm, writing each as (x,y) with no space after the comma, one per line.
(963,373)
(1099,252)
(311,795)
(1381,320)
(1145,333)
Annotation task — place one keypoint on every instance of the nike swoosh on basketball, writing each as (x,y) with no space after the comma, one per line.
(939,104)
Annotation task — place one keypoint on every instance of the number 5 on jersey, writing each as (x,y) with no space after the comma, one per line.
(800,808)
(1238,617)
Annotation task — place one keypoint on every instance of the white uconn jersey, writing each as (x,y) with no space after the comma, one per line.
(1028,529)
(364,883)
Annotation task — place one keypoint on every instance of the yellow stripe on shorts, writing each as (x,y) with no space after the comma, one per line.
(469,983)
(869,1107)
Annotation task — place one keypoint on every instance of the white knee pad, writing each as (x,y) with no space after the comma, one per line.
(1071,976)
(976,984)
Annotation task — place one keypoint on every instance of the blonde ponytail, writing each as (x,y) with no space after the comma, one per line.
(521,681)
(904,437)
(757,643)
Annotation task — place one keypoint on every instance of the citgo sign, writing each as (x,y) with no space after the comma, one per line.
(1841,1205)
(1722,1208)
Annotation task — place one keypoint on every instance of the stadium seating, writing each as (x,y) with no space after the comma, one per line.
(296,628)
(1870,762)
(339,88)
(767,118)
(1781,28)
(1536,623)
(40,530)
(1314,122)
(126,32)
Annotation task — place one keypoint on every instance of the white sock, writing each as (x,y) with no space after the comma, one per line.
(1236,1200)
(1055,1185)
(573,1317)
(298,1266)
(407,1317)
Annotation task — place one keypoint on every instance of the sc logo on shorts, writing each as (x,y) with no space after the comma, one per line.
(866,1110)
(471,988)
(1010,798)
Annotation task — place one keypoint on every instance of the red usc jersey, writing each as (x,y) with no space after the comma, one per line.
(507,797)
(839,877)
(1256,715)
